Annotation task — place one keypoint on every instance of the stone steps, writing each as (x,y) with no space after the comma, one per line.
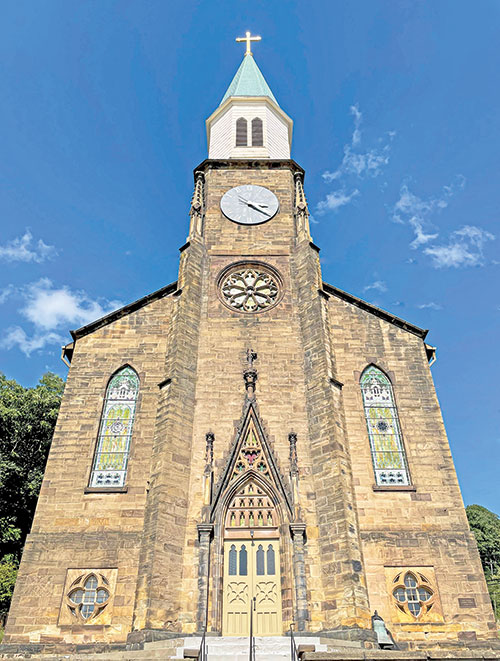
(269,648)
(233,648)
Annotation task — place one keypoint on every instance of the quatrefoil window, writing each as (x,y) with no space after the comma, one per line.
(413,594)
(250,287)
(89,595)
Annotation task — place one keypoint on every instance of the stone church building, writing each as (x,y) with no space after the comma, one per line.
(248,439)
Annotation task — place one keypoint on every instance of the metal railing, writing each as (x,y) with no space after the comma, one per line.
(294,656)
(202,654)
(252,637)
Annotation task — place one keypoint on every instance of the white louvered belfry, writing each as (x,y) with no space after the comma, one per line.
(249,122)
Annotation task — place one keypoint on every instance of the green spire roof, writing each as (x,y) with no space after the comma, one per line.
(248,81)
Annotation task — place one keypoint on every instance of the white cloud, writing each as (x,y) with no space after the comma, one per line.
(416,212)
(465,248)
(6,292)
(358,116)
(430,306)
(16,336)
(370,163)
(378,285)
(420,236)
(335,200)
(23,249)
(356,163)
(52,310)
(48,307)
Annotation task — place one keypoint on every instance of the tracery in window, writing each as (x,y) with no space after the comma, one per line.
(251,508)
(89,595)
(257,133)
(241,132)
(389,458)
(251,456)
(113,444)
(250,288)
(413,594)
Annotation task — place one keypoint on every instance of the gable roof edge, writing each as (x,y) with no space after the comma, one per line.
(378,312)
(67,350)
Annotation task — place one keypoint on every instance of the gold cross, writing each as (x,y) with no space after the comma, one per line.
(248,38)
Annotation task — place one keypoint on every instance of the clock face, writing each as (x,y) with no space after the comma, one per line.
(249,205)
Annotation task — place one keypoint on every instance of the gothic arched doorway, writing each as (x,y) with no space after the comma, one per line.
(251,574)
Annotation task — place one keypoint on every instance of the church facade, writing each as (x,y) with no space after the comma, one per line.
(250,437)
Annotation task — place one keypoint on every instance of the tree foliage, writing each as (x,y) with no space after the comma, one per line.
(486,528)
(27,420)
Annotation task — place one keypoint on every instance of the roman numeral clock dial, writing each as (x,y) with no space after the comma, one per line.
(249,204)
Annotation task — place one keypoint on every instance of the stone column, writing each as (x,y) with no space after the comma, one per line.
(205,531)
(298,531)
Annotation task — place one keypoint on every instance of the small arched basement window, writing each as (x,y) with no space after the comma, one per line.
(241,132)
(257,133)
(113,444)
(382,420)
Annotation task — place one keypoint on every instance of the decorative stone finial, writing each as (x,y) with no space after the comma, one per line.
(209,451)
(197,202)
(292,439)
(250,374)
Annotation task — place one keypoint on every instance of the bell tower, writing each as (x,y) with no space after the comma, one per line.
(249,123)
(257,274)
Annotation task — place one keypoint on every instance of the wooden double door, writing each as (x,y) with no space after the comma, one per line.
(252,579)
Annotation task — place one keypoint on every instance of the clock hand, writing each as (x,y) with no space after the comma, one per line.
(252,206)
(242,199)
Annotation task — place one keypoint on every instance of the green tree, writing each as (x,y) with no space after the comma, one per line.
(486,528)
(8,573)
(27,420)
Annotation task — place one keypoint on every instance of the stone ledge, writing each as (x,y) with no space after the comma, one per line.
(398,655)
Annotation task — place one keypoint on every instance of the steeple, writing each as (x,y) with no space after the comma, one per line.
(248,81)
(249,123)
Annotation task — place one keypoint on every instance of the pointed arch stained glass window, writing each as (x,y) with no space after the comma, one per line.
(113,443)
(389,458)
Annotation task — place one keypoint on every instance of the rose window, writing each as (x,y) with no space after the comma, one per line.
(89,596)
(413,594)
(250,288)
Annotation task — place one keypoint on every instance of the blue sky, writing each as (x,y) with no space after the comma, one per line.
(396,123)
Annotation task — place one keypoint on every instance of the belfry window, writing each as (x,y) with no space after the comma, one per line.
(113,444)
(386,443)
(241,132)
(257,133)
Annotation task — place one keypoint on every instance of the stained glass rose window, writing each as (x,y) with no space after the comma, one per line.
(250,288)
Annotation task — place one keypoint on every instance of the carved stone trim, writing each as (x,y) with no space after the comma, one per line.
(197,210)
(294,468)
(298,531)
(205,534)
(301,208)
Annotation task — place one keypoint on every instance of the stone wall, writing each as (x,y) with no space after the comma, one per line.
(189,351)
(422,526)
(73,528)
